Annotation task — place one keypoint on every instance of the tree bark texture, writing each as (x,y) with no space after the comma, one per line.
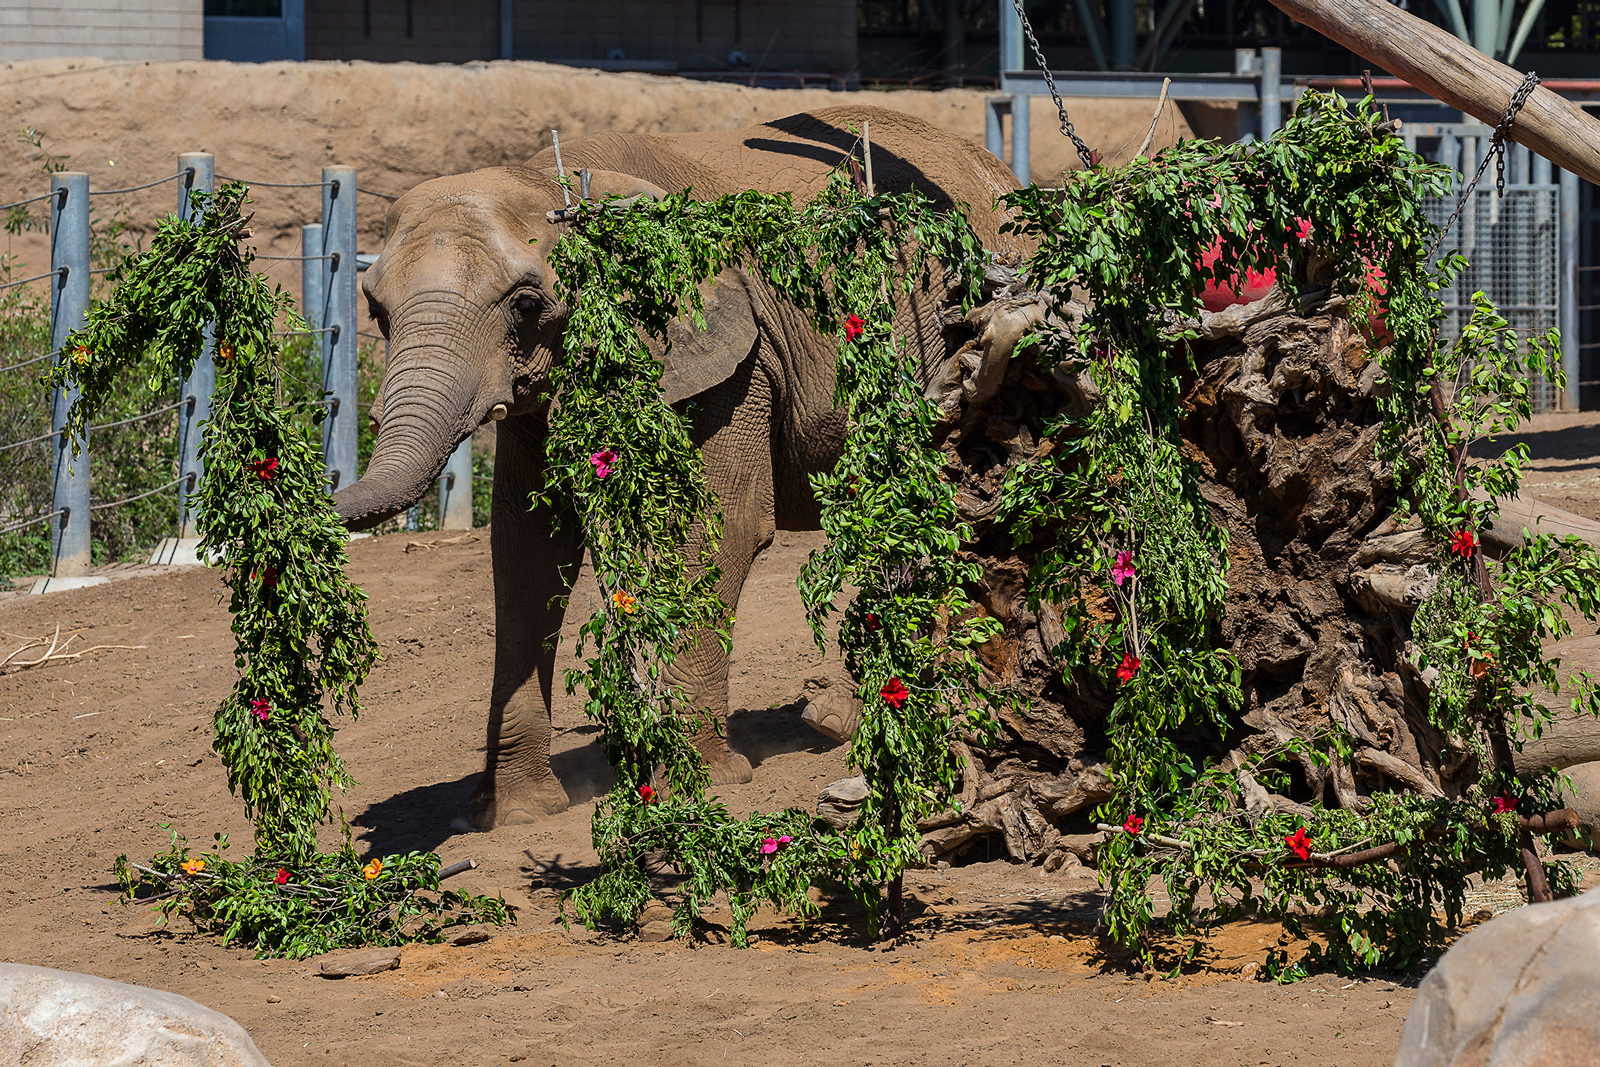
(1280,417)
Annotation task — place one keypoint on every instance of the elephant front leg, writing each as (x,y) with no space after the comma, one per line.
(536,556)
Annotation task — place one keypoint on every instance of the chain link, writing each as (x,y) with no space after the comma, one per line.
(1496,150)
(1061,109)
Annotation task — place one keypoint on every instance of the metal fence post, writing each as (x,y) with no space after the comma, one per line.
(313,276)
(69,305)
(195,390)
(1571,366)
(1271,91)
(1011,59)
(994,138)
(455,489)
(339,431)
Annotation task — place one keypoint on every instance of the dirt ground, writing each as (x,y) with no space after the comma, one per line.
(1001,966)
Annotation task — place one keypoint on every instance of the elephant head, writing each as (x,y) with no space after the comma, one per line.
(467,301)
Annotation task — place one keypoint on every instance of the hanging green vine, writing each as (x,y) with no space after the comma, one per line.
(624,459)
(1128,544)
(302,645)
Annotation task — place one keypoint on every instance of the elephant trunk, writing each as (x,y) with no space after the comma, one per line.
(429,406)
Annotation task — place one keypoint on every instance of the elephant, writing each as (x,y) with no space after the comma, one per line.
(463,295)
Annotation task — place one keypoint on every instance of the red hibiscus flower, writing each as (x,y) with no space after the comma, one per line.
(647,794)
(268,576)
(1299,844)
(854,326)
(260,708)
(894,693)
(264,468)
(873,625)
(1462,542)
(283,876)
(1134,825)
(1127,668)
(1503,805)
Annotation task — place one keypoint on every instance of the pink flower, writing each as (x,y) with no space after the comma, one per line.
(1123,568)
(603,462)
(260,709)
(768,847)
(783,842)
(1504,804)
(894,693)
(1302,229)
(1127,668)
(854,326)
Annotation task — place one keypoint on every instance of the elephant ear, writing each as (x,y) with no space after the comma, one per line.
(700,359)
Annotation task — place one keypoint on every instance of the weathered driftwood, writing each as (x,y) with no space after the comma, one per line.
(1451,70)
(1282,423)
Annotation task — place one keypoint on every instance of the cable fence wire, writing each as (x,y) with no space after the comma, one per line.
(99,426)
(184,173)
(31,522)
(374,192)
(331,255)
(24,203)
(26,362)
(35,278)
(277,185)
(137,496)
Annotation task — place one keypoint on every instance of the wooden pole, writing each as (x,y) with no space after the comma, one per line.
(1451,70)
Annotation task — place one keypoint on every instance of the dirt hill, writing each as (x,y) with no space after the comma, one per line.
(399,124)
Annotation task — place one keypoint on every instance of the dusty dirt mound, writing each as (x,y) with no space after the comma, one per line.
(400,124)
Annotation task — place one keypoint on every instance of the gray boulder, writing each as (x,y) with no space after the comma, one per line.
(1521,990)
(51,1018)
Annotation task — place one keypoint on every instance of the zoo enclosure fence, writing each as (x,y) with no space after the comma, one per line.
(330,264)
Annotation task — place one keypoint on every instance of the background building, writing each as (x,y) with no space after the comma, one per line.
(109,29)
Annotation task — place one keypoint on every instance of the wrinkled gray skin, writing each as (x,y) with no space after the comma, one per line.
(469,308)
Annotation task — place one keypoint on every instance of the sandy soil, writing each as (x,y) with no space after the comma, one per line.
(1001,966)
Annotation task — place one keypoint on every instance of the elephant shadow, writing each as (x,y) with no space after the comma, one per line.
(758,734)
(417,820)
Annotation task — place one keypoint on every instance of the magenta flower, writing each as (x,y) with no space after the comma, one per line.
(603,462)
(1123,568)
(260,709)
(768,847)
(784,841)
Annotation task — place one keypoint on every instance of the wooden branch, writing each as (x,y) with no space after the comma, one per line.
(457,868)
(1451,70)
(56,653)
(1166,83)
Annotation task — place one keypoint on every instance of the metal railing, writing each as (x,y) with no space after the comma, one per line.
(330,264)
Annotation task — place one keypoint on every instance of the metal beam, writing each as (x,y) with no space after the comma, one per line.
(1135,85)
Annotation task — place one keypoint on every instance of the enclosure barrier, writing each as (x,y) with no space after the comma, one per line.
(329,295)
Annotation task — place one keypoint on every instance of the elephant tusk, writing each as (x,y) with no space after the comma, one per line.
(497,413)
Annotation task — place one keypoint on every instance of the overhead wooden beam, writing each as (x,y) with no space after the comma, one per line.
(1451,70)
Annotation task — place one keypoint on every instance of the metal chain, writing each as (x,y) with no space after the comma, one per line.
(1497,150)
(1061,109)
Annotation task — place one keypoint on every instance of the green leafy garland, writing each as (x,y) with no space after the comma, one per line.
(625,461)
(300,627)
(1130,547)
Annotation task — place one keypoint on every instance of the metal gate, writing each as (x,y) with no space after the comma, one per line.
(1512,243)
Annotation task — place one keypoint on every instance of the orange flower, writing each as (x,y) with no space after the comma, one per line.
(225,350)
(80,355)
(624,601)
(193,866)
(371,870)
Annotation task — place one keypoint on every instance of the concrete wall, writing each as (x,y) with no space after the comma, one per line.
(109,29)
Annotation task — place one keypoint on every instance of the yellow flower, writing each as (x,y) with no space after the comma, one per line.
(371,870)
(193,866)
(624,601)
(225,350)
(855,850)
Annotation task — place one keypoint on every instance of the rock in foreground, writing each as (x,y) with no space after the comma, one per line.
(51,1018)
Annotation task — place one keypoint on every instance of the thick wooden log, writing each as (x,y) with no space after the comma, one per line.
(1535,516)
(1451,70)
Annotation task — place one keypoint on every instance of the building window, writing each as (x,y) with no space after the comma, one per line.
(251,9)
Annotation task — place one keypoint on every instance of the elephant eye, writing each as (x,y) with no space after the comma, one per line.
(525,303)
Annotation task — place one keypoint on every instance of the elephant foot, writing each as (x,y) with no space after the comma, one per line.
(727,766)
(513,804)
(833,711)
